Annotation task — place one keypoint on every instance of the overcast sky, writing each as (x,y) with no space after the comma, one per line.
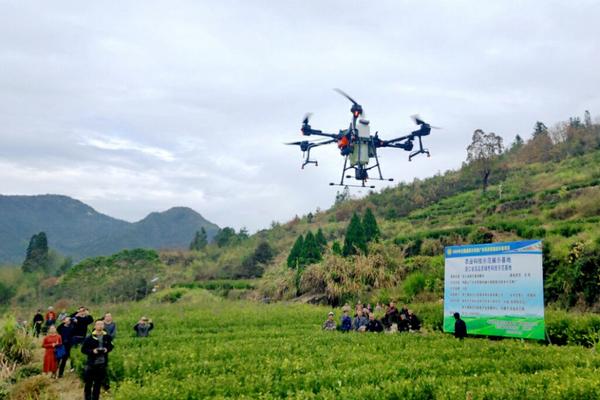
(135,107)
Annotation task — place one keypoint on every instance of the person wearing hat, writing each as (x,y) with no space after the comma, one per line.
(329,325)
(143,327)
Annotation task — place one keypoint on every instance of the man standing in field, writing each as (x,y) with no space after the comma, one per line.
(109,325)
(38,320)
(80,320)
(65,330)
(96,347)
(460,328)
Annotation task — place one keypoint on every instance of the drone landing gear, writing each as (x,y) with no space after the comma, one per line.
(305,163)
(420,151)
(414,153)
(363,186)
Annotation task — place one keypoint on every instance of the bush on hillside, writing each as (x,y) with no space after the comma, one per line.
(124,276)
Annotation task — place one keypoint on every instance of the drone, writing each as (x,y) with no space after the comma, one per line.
(358,146)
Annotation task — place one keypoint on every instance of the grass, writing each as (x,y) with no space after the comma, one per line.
(207,347)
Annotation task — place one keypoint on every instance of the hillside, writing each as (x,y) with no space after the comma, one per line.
(547,188)
(77,230)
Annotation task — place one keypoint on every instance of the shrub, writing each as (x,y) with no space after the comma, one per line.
(37,387)
(171,295)
(572,328)
(481,235)
(414,284)
(431,247)
(15,343)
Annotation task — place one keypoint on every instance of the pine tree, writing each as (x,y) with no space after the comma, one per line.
(36,258)
(200,240)
(293,260)
(321,241)
(311,253)
(336,248)
(370,226)
(355,239)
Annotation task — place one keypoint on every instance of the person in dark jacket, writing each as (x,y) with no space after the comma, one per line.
(96,347)
(392,315)
(374,325)
(460,328)
(65,330)
(143,327)
(38,321)
(414,323)
(346,325)
(80,320)
(403,325)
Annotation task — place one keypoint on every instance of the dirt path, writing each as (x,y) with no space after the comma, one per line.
(69,387)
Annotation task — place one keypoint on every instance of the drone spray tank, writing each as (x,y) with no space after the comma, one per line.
(360,155)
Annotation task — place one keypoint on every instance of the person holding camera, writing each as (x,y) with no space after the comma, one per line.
(96,347)
(80,320)
(143,327)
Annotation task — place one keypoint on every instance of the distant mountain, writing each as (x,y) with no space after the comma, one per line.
(77,230)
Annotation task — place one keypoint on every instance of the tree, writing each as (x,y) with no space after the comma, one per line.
(321,241)
(355,239)
(243,233)
(341,197)
(483,154)
(253,266)
(517,144)
(540,129)
(539,148)
(336,248)
(587,119)
(370,226)
(225,237)
(200,240)
(575,122)
(36,258)
(263,253)
(311,251)
(294,258)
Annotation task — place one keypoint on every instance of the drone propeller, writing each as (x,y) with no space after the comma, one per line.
(340,91)
(306,118)
(417,119)
(304,143)
(356,109)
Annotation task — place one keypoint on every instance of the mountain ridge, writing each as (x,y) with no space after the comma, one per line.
(77,230)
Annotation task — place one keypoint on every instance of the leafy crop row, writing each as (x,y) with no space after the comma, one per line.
(205,347)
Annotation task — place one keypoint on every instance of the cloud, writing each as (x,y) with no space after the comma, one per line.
(139,108)
(117,144)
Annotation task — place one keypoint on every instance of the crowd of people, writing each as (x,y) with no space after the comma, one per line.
(365,319)
(64,332)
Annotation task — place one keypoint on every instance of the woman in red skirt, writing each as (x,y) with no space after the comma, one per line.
(50,342)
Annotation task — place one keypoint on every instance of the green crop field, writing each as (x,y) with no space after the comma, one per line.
(207,347)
